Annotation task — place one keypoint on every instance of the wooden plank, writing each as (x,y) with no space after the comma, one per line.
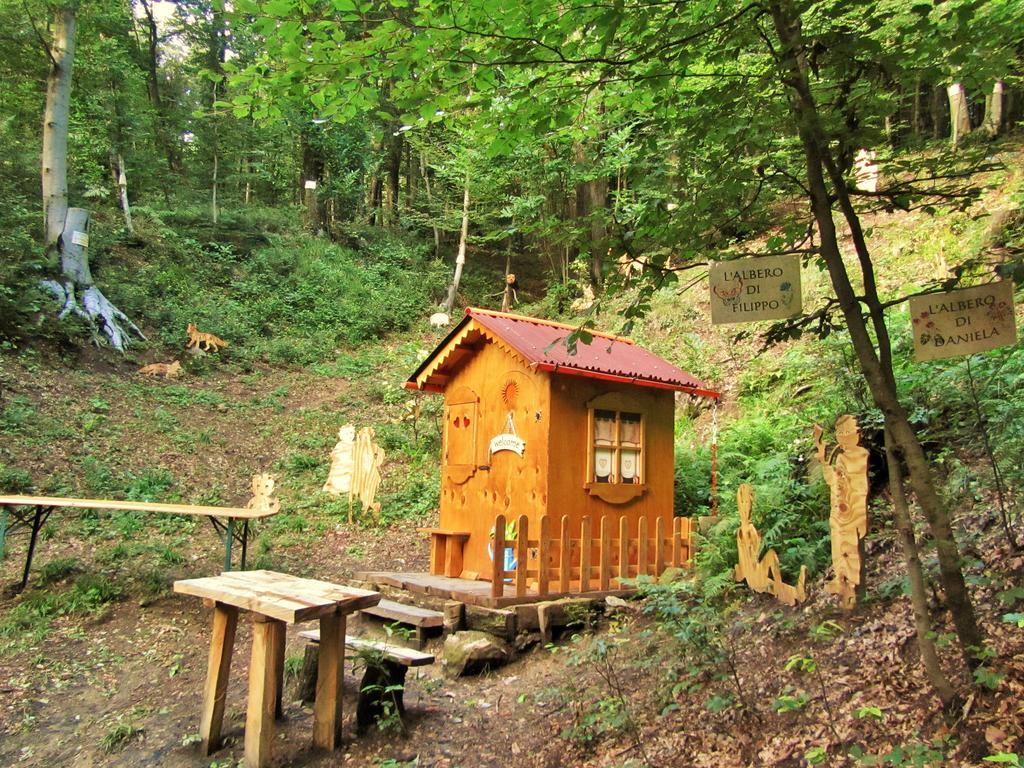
(544,555)
(498,558)
(676,541)
(641,550)
(134,506)
(396,653)
(623,549)
(605,562)
(218,667)
(259,714)
(330,671)
(406,614)
(659,546)
(564,555)
(522,553)
(586,547)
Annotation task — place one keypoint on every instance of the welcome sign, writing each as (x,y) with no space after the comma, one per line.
(963,322)
(746,290)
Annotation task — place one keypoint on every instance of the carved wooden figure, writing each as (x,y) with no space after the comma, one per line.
(203,341)
(263,499)
(339,479)
(846,471)
(762,574)
(170,370)
(367,460)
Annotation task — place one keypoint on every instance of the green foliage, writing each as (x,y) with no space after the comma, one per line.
(290,301)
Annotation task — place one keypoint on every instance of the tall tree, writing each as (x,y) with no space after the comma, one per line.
(66,230)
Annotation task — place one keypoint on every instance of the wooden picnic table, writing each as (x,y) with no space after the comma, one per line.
(274,600)
(33,512)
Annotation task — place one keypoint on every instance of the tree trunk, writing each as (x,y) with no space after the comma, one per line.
(994,109)
(153,89)
(425,173)
(313,164)
(915,573)
(959,116)
(117,170)
(67,230)
(875,365)
(55,127)
(78,293)
(460,259)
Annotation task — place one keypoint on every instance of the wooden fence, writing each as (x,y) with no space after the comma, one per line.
(564,562)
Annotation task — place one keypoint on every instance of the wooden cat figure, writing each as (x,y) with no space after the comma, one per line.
(203,341)
(170,370)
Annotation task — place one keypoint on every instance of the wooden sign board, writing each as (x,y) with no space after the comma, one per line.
(963,322)
(764,288)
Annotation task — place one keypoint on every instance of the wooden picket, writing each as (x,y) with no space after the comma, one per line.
(548,560)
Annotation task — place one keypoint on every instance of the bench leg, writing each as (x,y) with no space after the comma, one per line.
(3,530)
(245,540)
(229,537)
(381,693)
(222,643)
(330,671)
(259,713)
(37,523)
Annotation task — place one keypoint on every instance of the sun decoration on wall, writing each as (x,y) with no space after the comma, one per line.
(510,393)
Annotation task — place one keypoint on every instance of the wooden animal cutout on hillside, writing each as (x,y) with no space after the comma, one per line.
(339,479)
(203,341)
(845,468)
(170,370)
(762,574)
(263,498)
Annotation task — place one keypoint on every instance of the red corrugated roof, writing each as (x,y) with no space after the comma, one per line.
(607,357)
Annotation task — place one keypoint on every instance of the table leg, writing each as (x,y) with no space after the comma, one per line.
(278,638)
(222,643)
(330,671)
(259,714)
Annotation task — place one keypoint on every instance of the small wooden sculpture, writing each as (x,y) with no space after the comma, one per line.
(170,370)
(203,341)
(263,498)
(848,521)
(762,574)
(367,459)
(339,479)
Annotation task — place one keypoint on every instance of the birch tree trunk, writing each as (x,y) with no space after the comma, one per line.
(120,175)
(460,259)
(425,173)
(55,126)
(67,230)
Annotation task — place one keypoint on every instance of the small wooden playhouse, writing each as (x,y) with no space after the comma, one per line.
(561,463)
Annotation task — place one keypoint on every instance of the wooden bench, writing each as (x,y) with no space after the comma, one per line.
(446,551)
(383,681)
(421,619)
(33,512)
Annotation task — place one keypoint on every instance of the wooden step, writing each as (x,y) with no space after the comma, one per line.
(397,653)
(421,618)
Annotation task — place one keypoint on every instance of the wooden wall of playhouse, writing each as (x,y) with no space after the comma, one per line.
(475,486)
(549,412)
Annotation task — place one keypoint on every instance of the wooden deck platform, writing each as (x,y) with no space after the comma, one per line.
(470,591)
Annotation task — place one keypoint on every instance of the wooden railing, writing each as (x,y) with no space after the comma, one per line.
(564,562)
